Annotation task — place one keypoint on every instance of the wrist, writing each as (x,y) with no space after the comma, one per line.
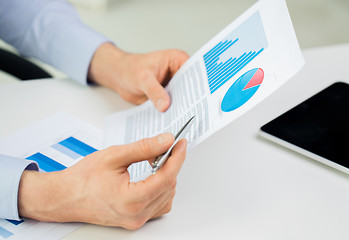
(38,195)
(106,57)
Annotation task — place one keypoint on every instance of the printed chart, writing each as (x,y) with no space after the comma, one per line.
(70,147)
(55,155)
(242,90)
(234,52)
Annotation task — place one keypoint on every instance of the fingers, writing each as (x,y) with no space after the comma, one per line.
(165,207)
(163,204)
(152,197)
(175,162)
(158,207)
(166,178)
(176,59)
(144,149)
(169,64)
(157,94)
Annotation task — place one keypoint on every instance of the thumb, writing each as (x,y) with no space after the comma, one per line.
(141,150)
(157,94)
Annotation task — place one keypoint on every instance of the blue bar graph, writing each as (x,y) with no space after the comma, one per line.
(71,147)
(66,151)
(45,163)
(234,52)
(14,222)
(77,146)
(5,233)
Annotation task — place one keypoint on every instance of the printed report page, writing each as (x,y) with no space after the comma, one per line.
(242,65)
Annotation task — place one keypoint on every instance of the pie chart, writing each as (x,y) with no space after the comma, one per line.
(242,90)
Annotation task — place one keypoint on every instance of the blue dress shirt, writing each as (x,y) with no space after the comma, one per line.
(51,31)
(10,174)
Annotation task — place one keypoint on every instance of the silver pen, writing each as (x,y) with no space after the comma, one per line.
(160,160)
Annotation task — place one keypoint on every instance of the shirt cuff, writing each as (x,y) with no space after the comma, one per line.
(10,175)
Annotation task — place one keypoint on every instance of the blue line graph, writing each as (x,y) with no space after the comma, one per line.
(234,52)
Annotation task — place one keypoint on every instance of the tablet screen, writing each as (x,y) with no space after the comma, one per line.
(319,125)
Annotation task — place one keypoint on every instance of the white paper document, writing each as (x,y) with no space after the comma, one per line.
(54,143)
(232,73)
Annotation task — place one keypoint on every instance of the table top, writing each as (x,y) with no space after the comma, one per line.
(245,187)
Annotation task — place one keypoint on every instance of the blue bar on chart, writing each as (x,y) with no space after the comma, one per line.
(234,52)
(5,233)
(14,222)
(45,163)
(77,146)
(66,151)
(70,147)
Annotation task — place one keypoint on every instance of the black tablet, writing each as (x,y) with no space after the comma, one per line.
(317,127)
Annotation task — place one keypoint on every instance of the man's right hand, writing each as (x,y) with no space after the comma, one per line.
(98,189)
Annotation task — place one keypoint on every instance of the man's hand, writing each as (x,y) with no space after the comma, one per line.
(98,190)
(136,77)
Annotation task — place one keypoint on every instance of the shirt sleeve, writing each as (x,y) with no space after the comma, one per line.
(51,31)
(11,170)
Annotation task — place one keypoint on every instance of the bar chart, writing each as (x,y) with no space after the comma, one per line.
(234,52)
(54,157)
(70,147)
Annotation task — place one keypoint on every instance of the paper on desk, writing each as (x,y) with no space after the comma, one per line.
(44,138)
(232,73)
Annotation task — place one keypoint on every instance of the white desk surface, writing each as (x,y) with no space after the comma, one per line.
(235,185)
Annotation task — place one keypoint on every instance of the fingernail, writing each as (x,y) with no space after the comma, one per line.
(160,104)
(165,138)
